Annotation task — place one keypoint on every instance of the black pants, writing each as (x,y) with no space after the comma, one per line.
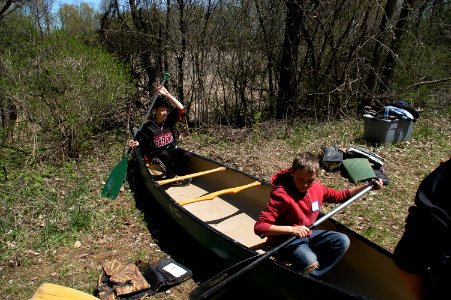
(176,161)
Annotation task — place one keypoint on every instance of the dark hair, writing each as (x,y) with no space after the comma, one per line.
(306,161)
(161,102)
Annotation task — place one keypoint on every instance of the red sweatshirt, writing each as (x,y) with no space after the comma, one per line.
(288,207)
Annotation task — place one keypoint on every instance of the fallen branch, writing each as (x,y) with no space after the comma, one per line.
(14,148)
(427,82)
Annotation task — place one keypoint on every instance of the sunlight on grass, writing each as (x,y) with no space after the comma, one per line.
(406,164)
(80,219)
(44,213)
(46,208)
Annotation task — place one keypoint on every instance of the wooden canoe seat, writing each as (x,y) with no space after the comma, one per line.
(263,248)
(165,181)
(260,247)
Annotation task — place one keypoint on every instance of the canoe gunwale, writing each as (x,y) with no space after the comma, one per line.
(245,252)
(241,252)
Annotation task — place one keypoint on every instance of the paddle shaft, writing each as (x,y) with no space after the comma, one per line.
(260,258)
(146,116)
(154,98)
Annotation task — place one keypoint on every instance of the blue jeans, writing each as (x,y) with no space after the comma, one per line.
(323,246)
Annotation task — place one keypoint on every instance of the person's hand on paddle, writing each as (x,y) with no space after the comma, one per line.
(376,183)
(132,143)
(162,90)
(300,231)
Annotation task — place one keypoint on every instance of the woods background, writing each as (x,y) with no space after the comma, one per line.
(71,74)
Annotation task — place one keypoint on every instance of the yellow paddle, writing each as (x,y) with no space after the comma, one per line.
(50,291)
(221,192)
(164,181)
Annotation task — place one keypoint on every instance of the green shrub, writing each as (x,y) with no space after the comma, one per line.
(70,91)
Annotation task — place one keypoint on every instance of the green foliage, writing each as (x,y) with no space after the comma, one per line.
(53,205)
(11,38)
(64,90)
(77,19)
(257,117)
(17,36)
(424,57)
(74,89)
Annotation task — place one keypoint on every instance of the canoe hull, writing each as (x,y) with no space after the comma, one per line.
(271,278)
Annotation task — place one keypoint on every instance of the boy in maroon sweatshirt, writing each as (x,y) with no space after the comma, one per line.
(294,204)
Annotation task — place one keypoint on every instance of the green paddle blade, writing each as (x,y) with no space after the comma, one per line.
(166,76)
(114,182)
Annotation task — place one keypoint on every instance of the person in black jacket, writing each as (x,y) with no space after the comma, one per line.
(423,252)
(158,140)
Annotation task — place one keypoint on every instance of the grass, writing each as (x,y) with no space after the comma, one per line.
(380,218)
(47,209)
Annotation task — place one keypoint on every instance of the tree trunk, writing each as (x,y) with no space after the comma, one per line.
(166,34)
(288,80)
(181,54)
(268,50)
(390,61)
(378,50)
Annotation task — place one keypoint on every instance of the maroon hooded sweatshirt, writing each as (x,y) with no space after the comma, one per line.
(288,207)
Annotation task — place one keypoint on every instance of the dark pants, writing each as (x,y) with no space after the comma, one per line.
(176,161)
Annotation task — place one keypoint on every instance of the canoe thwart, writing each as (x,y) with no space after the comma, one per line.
(213,195)
(165,181)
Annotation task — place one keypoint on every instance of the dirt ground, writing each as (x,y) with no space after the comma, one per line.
(130,238)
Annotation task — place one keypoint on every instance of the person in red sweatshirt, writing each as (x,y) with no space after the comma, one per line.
(294,204)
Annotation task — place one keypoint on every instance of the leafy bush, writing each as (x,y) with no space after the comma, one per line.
(68,90)
(75,89)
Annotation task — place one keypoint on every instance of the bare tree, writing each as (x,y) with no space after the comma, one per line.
(8,6)
(77,19)
(232,59)
(288,82)
(390,61)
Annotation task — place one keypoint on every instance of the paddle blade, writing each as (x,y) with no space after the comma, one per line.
(221,280)
(166,76)
(50,291)
(114,182)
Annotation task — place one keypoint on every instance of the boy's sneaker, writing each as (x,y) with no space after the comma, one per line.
(183,182)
